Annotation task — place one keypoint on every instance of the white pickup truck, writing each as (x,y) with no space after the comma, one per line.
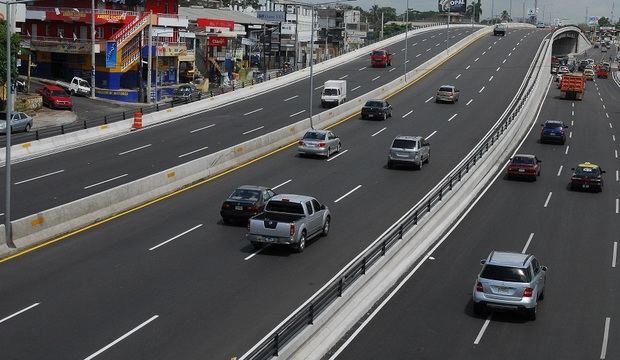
(289,220)
(334,93)
(77,86)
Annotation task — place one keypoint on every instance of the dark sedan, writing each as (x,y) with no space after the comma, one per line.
(553,131)
(587,176)
(376,109)
(245,202)
(187,92)
(524,166)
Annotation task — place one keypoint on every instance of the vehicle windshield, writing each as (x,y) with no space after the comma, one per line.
(284,207)
(311,135)
(553,125)
(504,273)
(245,195)
(374,104)
(330,92)
(58,93)
(587,171)
(445,88)
(378,53)
(403,144)
(523,160)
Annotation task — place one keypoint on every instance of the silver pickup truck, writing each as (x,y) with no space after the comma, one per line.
(290,220)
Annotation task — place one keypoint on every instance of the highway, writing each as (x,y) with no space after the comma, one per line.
(57,179)
(573,233)
(170,281)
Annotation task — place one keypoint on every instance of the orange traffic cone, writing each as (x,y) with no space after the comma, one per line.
(137,120)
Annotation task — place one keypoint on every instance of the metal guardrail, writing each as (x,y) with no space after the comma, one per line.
(304,316)
(20,138)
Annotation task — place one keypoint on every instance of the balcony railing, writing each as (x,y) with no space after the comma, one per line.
(85,10)
(57,44)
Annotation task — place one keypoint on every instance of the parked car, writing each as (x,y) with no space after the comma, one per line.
(553,131)
(245,202)
(587,176)
(409,150)
(319,142)
(55,97)
(77,86)
(186,92)
(376,109)
(289,220)
(19,122)
(511,281)
(447,93)
(524,166)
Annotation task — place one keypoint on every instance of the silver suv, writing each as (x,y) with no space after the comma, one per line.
(409,150)
(512,281)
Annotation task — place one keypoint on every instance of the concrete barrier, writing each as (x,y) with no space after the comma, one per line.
(65,218)
(71,140)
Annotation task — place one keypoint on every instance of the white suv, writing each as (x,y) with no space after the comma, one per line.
(512,281)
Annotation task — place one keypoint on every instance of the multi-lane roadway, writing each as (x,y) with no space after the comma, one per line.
(171,281)
(575,234)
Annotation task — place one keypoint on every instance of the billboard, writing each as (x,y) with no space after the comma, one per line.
(593,20)
(455,6)
(110,54)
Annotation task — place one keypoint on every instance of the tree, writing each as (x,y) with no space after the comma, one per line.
(603,21)
(475,9)
(505,16)
(15,38)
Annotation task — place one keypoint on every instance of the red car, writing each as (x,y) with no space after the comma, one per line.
(381,58)
(524,166)
(56,97)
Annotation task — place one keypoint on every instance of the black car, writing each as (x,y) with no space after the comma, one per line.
(582,65)
(187,92)
(587,176)
(553,131)
(376,109)
(245,202)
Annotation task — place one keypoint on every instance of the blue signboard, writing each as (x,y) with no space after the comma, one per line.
(110,54)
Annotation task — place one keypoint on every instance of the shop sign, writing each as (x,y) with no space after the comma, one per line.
(217,41)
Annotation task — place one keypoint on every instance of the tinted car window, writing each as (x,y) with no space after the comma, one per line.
(536,266)
(553,125)
(316,205)
(504,273)
(58,93)
(586,171)
(330,92)
(245,195)
(285,206)
(403,144)
(311,135)
(523,160)
(374,104)
(378,53)
(309,208)
(446,89)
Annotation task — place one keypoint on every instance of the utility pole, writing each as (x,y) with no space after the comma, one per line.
(406,38)
(8,129)
(149,60)
(92,50)
(510,13)
(297,36)
(311,65)
(524,11)
(493,10)
(381,25)
(448,26)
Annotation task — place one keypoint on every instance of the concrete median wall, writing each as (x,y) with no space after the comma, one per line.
(63,219)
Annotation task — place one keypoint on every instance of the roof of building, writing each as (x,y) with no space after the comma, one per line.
(238,17)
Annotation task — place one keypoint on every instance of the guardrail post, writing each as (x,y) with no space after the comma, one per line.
(364,265)
(62,129)
(450,183)
(460,176)
(36,135)
(105,119)
(124,116)
(429,205)
(311,314)
(383,245)
(156,106)
(276,343)
(85,124)
(400,232)
(340,287)
(415,218)
(440,193)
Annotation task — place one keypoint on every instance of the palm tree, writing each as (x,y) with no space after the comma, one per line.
(475,9)
(505,16)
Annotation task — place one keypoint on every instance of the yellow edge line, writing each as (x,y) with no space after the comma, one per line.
(216,176)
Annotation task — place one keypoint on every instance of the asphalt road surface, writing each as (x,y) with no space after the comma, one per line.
(171,281)
(573,233)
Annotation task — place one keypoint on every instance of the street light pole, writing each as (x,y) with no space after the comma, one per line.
(311,64)
(448,27)
(149,60)
(92,50)
(406,38)
(8,129)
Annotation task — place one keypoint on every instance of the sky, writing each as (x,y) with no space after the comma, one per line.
(574,10)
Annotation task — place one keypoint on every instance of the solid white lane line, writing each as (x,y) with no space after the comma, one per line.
(491,78)
(136,149)
(121,338)
(481,332)
(605,338)
(392,69)
(617,208)
(337,155)
(343,77)
(355,88)
(481,90)
(527,244)
(617,177)
(616,153)
(319,87)
(255,253)
(476,59)
(407,114)
(202,128)
(280,185)
(604,108)
(452,117)
(560,170)
(250,131)
(548,198)
(610,126)
(468,66)
(347,194)
(572,112)
(498,68)
(193,152)
(429,99)
(375,78)
(297,113)
(458,76)
(19,312)
(105,181)
(175,237)
(378,132)
(509,54)
(254,111)
(469,102)
(567,147)
(291,98)
(431,134)
(360,69)
(570,135)
(614,255)
(38,177)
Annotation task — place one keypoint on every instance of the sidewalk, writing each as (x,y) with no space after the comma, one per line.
(47,117)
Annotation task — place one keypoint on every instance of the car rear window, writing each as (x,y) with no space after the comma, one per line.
(285,207)
(505,273)
(378,53)
(245,195)
(403,144)
(445,88)
(311,135)
(374,104)
(553,125)
(330,92)
(523,160)
(587,171)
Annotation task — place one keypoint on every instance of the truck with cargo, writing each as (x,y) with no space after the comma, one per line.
(334,93)
(572,86)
